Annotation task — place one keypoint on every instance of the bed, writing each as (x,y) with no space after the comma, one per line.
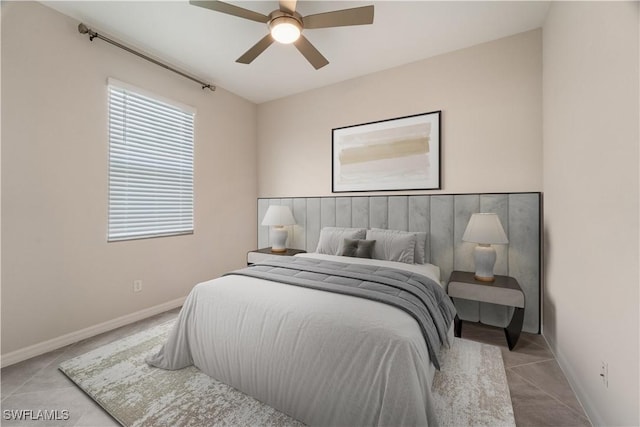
(321,356)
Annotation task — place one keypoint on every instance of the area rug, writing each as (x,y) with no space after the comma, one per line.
(470,390)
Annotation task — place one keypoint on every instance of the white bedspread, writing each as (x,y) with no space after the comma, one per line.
(322,358)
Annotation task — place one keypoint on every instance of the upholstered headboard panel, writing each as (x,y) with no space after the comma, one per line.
(444,218)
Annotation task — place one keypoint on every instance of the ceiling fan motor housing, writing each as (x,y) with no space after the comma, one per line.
(285,27)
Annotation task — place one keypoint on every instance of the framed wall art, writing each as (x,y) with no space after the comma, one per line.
(394,154)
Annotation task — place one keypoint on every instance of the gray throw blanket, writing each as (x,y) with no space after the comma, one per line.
(418,295)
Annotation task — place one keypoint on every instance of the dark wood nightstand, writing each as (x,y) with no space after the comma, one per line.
(504,290)
(258,255)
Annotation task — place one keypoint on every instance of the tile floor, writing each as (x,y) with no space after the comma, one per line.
(540,393)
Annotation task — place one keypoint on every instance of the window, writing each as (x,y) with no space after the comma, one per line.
(150,165)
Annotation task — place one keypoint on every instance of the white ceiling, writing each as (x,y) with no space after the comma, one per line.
(206,43)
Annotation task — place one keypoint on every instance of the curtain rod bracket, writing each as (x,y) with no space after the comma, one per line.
(83,29)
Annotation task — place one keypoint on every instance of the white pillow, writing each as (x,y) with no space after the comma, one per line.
(420,253)
(393,245)
(332,238)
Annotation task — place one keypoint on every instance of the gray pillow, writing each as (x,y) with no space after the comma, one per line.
(392,245)
(420,253)
(358,248)
(331,239)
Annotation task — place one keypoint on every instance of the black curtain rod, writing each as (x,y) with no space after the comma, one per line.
(83,29)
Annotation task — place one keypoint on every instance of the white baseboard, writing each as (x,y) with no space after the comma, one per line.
(63,340)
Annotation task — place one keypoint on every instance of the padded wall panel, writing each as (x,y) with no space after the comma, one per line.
(328,212)
(444,218)
(398,213)
(499,205)
(299,230)
(378,212)
(290,228)
(313,225)
(441,235)
(343,212)
(263,232)
(464,206)
(418,218)
(524,253)
(493,314)
(359,212)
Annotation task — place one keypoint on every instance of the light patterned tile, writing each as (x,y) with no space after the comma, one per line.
(96,417)
(15,376)
(530,348)
(548,377)
(534,407)
(48,379)
(70,399)
(536,339)
(524,353)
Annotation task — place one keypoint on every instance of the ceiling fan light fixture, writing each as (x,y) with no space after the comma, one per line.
(286,25)
(285,29)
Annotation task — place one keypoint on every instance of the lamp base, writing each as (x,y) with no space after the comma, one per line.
(279,239)
(485,259)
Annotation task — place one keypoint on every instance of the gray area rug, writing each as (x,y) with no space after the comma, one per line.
(470,390)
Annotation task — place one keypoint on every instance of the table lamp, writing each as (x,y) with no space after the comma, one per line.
(278,216)
(485,229)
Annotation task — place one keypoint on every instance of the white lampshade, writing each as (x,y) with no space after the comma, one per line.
(486,229)
(278,215)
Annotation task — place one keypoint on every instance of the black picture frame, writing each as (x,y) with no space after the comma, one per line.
(398,154)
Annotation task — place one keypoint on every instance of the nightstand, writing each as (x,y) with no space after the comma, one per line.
(264,254)
(504,290)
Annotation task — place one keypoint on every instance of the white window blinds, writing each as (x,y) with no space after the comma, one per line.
(150,165)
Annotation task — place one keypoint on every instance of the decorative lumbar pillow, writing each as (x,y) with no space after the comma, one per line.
(420,253)
(358,248)
(332,238)
(392,245)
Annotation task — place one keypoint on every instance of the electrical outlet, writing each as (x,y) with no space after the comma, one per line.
(604,373)
(137,286)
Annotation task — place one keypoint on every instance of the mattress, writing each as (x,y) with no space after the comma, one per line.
(321,357)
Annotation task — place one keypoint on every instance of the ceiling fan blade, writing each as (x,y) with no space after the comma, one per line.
(256,50)
(310,52)
(339,18)
(288,6)
(230,9)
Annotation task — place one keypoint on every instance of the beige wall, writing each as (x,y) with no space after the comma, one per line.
(59,275)
(591,189)
(490,95)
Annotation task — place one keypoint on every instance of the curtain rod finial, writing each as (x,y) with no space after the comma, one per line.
(83,29)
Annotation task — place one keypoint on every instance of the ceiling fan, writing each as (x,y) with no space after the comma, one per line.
(286,26)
